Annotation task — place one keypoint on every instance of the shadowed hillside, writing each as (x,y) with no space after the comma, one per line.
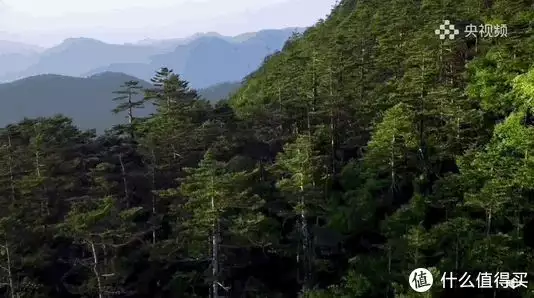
(87,100)
(220,91)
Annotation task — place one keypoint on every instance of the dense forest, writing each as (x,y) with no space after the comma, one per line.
(366,148)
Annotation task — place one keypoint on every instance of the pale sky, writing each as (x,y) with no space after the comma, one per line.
(48,22)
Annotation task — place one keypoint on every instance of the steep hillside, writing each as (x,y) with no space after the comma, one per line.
(395,113)
(13,64)
(367,159)
(219,91)
(87,100)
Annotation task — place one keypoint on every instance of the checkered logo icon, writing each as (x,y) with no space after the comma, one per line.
(447,30)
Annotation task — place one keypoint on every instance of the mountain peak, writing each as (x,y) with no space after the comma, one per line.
(108,74)
(204,59)
(74,43)
(80,40)
(211,33)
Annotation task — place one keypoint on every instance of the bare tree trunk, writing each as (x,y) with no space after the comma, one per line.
(332,124)
(305,240)
(216,268)
(95,269)
(308,122)
(12,186)
(422,149)
(362,70)
(389,269)
(124,181)
(280,116)
(130,113)
(305,249)
(44,200)
(153,174)
(215,251)
(12,291)
(311,106)
(314,83)
(130,108)
(392,164)
(37,163)
(10,166)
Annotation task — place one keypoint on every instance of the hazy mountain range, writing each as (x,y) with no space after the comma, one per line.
(87,100)
(203,59)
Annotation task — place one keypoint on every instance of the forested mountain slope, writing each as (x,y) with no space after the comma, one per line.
(424,143)
(366,148)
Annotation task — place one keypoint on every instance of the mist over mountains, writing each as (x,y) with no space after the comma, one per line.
(77,77)
(13,47)
(88,101)
(204,59)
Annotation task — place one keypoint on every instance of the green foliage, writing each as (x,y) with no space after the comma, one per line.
(366,148)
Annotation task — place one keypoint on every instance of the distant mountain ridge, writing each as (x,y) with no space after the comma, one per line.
(88,101)
(220,91)
(76,56)
(204,59)
(170,44)
(13,47)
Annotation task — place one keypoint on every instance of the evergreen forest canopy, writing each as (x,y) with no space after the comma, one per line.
(366,148)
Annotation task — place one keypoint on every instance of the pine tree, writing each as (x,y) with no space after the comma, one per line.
(302,177)
(100,228)
(127,102)
(219,206)
(502,174)
(170,92)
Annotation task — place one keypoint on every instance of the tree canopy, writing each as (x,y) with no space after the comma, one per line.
(366,148)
